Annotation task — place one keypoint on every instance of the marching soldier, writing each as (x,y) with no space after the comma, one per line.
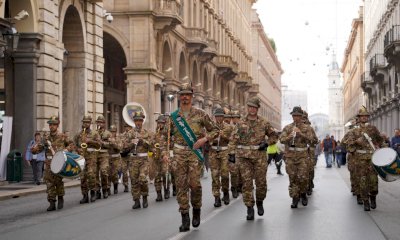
(248,145)
(103,158)
(88,141)
(235,117)
(296,136)
(139,144)
(219,159)
(115,159)
(311,149)
(361,143)
(160,157)
(236,178)
(126,159)
(53,142)
(187,124)
(227,116)
(351,164)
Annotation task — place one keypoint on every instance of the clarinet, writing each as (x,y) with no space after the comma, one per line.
(294,136)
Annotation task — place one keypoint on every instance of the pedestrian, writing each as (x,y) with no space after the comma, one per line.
(35,157)
(187,124)
(327,146)
(395,142)
(274,154)
(296,136)
(248,145)
(339,154)
(386,140)
(334,149)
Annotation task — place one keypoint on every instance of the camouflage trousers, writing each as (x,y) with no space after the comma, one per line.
(54,183)
(219,172)
(236,178)
(160,169)
(311,168)
(115,166)
(253,168)
(138,172)
(368,179)
(125,165)
(88,176)
(187,177)
(297,169)
(103,168)
(354,180)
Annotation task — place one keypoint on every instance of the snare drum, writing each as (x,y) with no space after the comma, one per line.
(386,163)
(67,164)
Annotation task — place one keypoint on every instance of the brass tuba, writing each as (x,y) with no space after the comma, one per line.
(129,110)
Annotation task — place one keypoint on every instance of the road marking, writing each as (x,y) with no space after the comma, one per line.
(216,211)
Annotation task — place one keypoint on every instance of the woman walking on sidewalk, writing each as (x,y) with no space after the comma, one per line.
(35,157)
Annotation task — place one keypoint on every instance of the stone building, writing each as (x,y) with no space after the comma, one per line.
(353,69)
(290,99)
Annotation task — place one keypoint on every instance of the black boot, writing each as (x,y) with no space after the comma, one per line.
(136,205)
(52,206)
(115,188)
(239,188)
(250,213)
(85,199)
(159,196)
(217,202)
(109,191)
(105,193)
(166,193)
(260,208)
(174,191)
(92,196)
(235,193)
(185,223)
(126,189)
(309,191)
(295,202)
(60,203)
(359,201)
(145,203)
(226,198)
(304,199)
(279,171)
(196,217)
(373,201)
(366,205)
(98,194)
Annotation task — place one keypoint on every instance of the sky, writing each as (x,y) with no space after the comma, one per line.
(306,33)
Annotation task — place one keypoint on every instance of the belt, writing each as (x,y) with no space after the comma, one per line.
(219,148)
(90,149)
(103,151)
(138,155)
(254,147)
(364,151)
(115,155)
(297,149)
(182,147)
(49,157)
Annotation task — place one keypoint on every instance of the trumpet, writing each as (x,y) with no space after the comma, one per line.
(84,144)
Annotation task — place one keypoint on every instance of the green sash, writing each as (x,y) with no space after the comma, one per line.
(187,133)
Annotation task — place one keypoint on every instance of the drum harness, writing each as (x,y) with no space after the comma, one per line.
(369,139)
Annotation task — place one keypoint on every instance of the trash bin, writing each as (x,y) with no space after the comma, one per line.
(14,166)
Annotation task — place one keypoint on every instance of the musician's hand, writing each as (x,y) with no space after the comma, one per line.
(360,140)
(296,129)
(200,143)
(165,159)
(291,135)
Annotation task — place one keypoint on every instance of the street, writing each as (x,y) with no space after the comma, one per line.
(332,213)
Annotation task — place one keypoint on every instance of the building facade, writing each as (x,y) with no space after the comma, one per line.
(290,99)
(352,70)
(380,81)
(320,123)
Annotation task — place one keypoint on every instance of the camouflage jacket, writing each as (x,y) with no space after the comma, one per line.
(104,136)
(305,138)
(160,138)
(197,120)
(225,132)
(352,145)
(250,134)
(114,145)
(56,142)
(90,135)
(145,140)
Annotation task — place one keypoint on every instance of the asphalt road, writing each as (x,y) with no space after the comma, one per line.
(332,213)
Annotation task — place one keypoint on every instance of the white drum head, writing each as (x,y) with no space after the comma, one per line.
(383,157)
(81,162)
(58,161)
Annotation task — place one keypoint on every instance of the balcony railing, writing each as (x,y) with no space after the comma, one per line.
(392,36)
(377,61)
(169,8)
(196,34)
(242,78)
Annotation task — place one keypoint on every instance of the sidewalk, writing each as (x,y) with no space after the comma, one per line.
(15,190)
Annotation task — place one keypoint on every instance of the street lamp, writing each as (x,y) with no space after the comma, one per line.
(12,38)
(170,98)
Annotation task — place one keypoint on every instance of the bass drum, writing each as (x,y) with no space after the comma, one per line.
(67,164)
(386,163)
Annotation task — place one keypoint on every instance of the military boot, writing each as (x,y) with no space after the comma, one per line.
(105,193)
(196,217)
(126,188)
(250,213)
(115,188)
(166,193)
(109,191)
(85,199)
(136,205)
(52,206)
(185,223)
(304,199)
(359,201)
(279,171)
(366,205)
(92,196)
(98,194)
(260,208)
(235,193)
(145,203)
(373,201)
(226,198)
(174,191)
(159,196)
(217,202)
(295,202)
(60,203)
(309,191)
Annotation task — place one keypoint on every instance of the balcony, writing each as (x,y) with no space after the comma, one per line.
(391,45)
(367,84)
(377,67)
(211,51)
(242,79)
(196,39)
(168,14)
(226,67)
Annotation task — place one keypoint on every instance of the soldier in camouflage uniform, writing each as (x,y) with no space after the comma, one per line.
(351,164)
(310,160)
(126,159)
(219,159)
(249,144)
(236,178)
(296,136)
(87,142)
(138,142)
(227,116)
(358,144)
(160,158)
(53,142)
(188,167)
(115,146)
(103,159)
